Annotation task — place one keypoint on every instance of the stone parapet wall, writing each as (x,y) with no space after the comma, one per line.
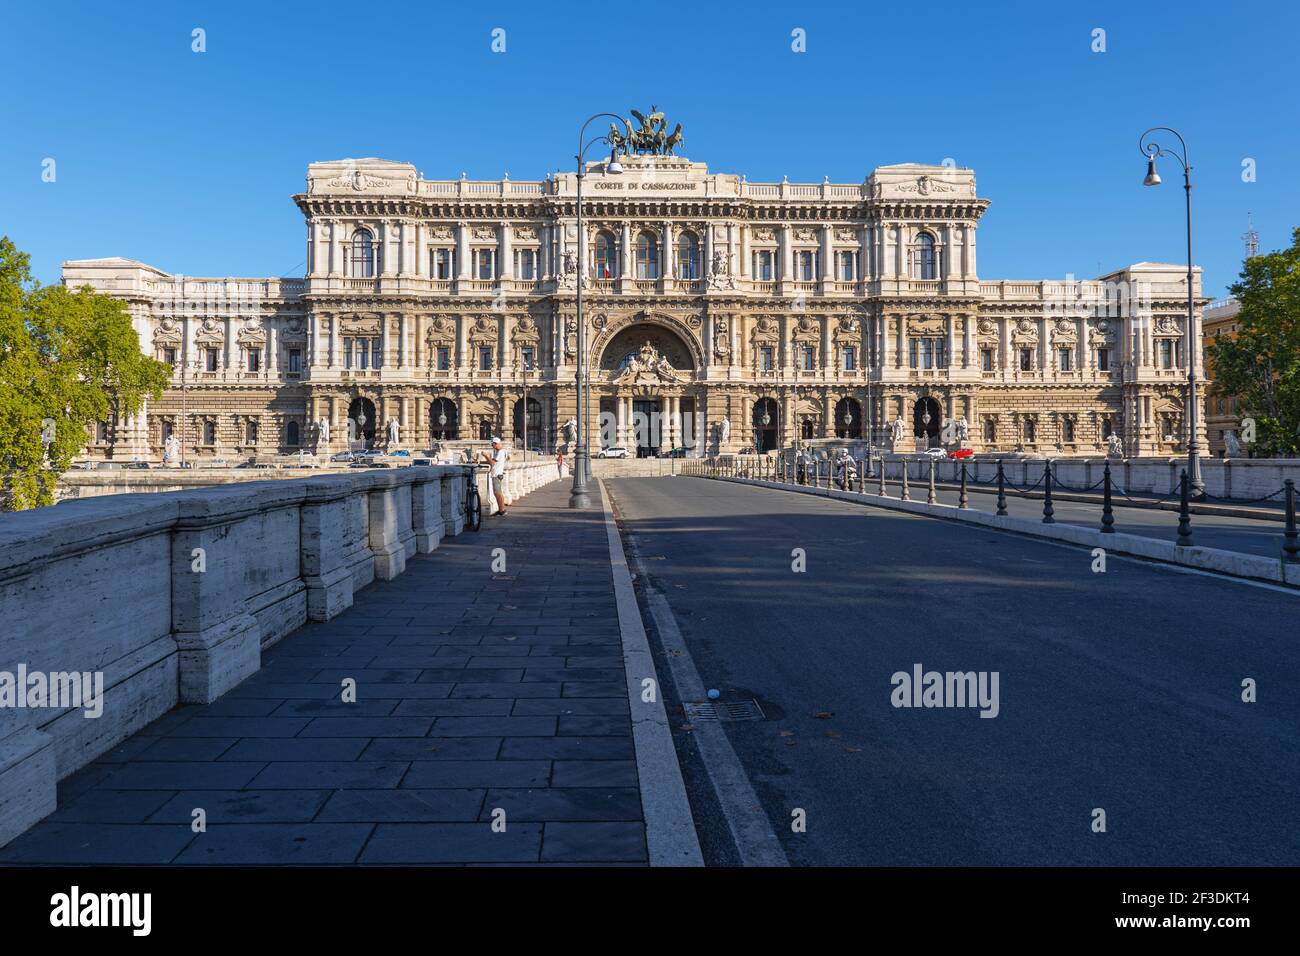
(170,597)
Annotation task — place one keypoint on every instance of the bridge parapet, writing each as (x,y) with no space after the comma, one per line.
(150,600)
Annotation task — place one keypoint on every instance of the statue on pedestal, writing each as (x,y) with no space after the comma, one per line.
(171,450)
(963,430)
(1114,447)
(571,432)
(394,433)
(322,435)
(1232,443)
(724,432)
(896,432)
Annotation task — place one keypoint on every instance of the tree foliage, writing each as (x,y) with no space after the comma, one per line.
(1261,365)
(67,360)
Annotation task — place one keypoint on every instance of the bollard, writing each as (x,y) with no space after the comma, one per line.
(883,491)
(870,473)
(1107,513)
(930,497)
(1290,538)
(1184,513)
(962,500)
(1048,510)
(862,474)
(906,494)
(1002,490)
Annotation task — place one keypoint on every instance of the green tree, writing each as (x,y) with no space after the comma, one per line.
(1261,365)
(67,359)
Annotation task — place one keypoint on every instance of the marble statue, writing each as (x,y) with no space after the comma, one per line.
(724,431)
(897,429)
(171,450)
(963,430)
(571,430)
(1114,447)
(322,433)
(394,433)
(1232,443)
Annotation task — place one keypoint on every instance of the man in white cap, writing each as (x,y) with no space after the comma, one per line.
(500,454)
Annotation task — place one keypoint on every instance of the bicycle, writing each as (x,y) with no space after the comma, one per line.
(473,503)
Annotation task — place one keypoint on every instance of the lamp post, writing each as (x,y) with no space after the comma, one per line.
(527,355)
(578,495)
(1152,151)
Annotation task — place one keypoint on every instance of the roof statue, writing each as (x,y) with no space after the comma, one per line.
(650,137)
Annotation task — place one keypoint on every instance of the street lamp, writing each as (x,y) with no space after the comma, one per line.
(1152,151)
(578,495)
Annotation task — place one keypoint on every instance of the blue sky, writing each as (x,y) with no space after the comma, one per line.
(187,161)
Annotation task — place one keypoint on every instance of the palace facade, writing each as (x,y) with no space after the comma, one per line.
(741,313)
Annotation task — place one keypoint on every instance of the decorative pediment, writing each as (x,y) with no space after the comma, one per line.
(526,332)
(484,331)
(442,331)
(1101,332)
(526,233)
(806,329)
(925,325)
(1026,331)
(210,330)
(648,366)
(1169,325)
(168,332)
(361,325)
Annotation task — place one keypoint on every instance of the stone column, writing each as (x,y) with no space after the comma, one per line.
(462,250)
(625,267)
(506,267)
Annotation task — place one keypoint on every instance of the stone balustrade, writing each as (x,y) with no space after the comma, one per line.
(170,597)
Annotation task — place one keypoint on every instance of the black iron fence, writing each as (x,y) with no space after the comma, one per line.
(909,478)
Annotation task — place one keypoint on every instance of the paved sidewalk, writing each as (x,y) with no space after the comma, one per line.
(476,692)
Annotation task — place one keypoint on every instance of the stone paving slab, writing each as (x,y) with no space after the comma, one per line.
(476,692)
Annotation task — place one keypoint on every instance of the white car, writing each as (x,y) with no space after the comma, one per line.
(613,451)
(936,453)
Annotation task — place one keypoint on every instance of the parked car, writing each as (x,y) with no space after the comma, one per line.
(961,452)
(936,452)
(613,451)
(674,453)
(400,453)
(423,462)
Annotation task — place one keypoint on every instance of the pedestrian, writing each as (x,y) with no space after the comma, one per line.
(497,476)
(559,462)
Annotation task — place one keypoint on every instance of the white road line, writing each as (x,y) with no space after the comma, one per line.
(750,828)
(669,826)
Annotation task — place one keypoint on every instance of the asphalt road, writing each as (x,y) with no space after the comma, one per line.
(1118,691)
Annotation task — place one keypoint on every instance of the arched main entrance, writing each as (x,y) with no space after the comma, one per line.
(361,423)
(766,421)
(927,420)
(848,418)
(534,433)
(444,420)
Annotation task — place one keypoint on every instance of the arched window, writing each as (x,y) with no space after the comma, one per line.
(363,254)
(209,433)
(606,261)
(990,429)
(925,262)
(688,256)
(291,434)
(647,256)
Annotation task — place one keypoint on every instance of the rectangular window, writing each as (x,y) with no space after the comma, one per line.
(254,360)
(1103,360)
(763,265)
(169,356)
(250,433)
(1166,353)
(1067,431)
(526,354)
(1026,360)
(376,353)
(363,352)
(295,361)
(486,268)
(525,264)
(443,263)
(767,358)
(809,359)
(212,360)
(1064,357)
(807,267)
(1031,430)
(848,266)
(444,358)
(986,360)
(850,358)
(485,358)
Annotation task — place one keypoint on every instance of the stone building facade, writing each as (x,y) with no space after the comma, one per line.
(725,313)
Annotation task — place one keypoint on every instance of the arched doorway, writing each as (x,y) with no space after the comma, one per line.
(444,423)
(927,420)
(765,425)
(848,418)
(534,435)
(361,423)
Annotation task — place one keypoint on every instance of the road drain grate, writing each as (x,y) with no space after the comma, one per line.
(724,710)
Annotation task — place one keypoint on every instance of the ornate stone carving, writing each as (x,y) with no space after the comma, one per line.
(648,365)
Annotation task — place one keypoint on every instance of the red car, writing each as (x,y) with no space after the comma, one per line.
(961,452)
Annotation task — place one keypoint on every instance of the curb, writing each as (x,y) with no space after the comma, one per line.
(669,825)
(1215,560)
